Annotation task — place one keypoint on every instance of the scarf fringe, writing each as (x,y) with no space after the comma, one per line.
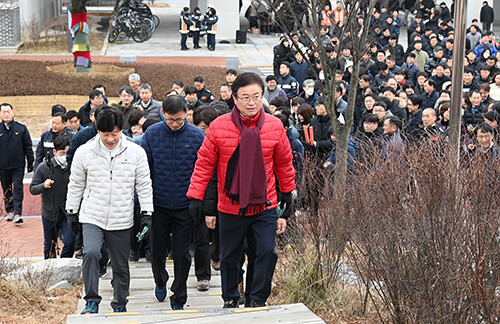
(252,209)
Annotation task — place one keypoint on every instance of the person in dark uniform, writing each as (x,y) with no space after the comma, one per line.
(204,95)
(44,149)
(197,19)
(184,24)
(211,22)
(15,150)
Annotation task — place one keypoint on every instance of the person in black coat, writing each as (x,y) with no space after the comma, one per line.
(15,151)
(51,181)
(96,98)
(44,149)
(282,53)
(473,115)
(486,16)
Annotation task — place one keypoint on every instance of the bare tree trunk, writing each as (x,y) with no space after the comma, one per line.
(81,47)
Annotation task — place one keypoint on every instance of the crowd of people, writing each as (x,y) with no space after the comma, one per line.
(144,178)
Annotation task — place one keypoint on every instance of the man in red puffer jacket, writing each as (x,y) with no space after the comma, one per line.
(248,147)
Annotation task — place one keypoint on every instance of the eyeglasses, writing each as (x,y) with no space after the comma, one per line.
(246,99)
(177,121)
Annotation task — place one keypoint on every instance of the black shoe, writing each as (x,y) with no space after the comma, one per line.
(102,271)
(134,257)
(184,49)
(211,49)
(79,255)
(230,304)
(197,46)
(18,219)
(255,303)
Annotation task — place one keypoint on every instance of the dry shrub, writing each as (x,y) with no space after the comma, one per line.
(24,78)
(425,235)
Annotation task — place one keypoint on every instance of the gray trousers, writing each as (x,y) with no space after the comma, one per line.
(118,243)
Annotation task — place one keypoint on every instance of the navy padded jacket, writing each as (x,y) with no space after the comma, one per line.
(171,156)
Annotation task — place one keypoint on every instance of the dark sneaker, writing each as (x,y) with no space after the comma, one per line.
(121,309)
(160,293)
(9,217)
(91,308)
(230,304)
(255,303)
(203,285)
(242,293)
(102,271)
(216,265)
(134,257)
(177,307)
(18,219)
(79,255)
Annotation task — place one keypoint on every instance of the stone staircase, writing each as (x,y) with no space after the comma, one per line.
(201,307)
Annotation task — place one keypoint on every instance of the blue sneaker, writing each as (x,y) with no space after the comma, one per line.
(90,308)
(160,293)
(177,307)
(120,309)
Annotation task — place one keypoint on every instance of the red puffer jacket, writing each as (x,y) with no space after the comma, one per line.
(222,139)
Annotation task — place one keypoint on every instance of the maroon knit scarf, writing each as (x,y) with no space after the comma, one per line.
(246,181)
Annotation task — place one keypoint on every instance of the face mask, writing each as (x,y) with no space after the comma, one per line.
(321,75)
(485,55)
(309,92)
(62,159)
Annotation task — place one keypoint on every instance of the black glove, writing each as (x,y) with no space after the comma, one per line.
(285,204)
(197,211)
(145,221)
(73,224)
(30,168)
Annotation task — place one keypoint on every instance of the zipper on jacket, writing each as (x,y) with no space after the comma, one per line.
(110,189)
(173,167)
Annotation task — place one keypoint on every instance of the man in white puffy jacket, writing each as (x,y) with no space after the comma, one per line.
(104,173)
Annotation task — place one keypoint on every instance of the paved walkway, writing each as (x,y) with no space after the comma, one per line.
(204,307)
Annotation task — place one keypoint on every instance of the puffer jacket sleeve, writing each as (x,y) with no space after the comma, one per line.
(211,196)
(143,181)
(283,166)
(204,167)
(77,181)
(147,148)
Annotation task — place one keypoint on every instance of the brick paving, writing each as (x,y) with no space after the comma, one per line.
(22,240)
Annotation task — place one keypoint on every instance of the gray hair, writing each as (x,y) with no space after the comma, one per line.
(134,76)
(307,82)
(145,86)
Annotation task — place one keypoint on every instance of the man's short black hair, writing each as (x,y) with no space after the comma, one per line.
(99,86)
(484,67)
(416,100)
(61,142)
(63,116)
(412,55)
(383,66)
(149,122)
(278,102)
(394,121)
(287,64)
(95,93)
(179,83)
(190,90)
(245,79)
(174,104)
(72,114)
(370,118)
(271,78)
(108,119)
(468,70)
(57,109)
(127,89)
(231,71)
(380,103)
(484,127)
(135,116)
(390,89)
(199,79)
(431,83)
(6,105)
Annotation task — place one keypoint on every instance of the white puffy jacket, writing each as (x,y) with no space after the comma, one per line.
(107,189)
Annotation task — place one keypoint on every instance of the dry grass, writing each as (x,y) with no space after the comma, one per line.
(20,304)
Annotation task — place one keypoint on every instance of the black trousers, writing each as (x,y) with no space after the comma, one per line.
(12,186)
(260,231)
(183,41)
(202,252)
(180,223)
(196,38)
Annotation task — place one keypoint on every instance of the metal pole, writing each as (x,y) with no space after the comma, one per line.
(70,36)
(457,77)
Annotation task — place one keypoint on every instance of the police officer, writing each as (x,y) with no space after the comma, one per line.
(184,24)
(197,19)
(211,22)
(204,95)
(15,149)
